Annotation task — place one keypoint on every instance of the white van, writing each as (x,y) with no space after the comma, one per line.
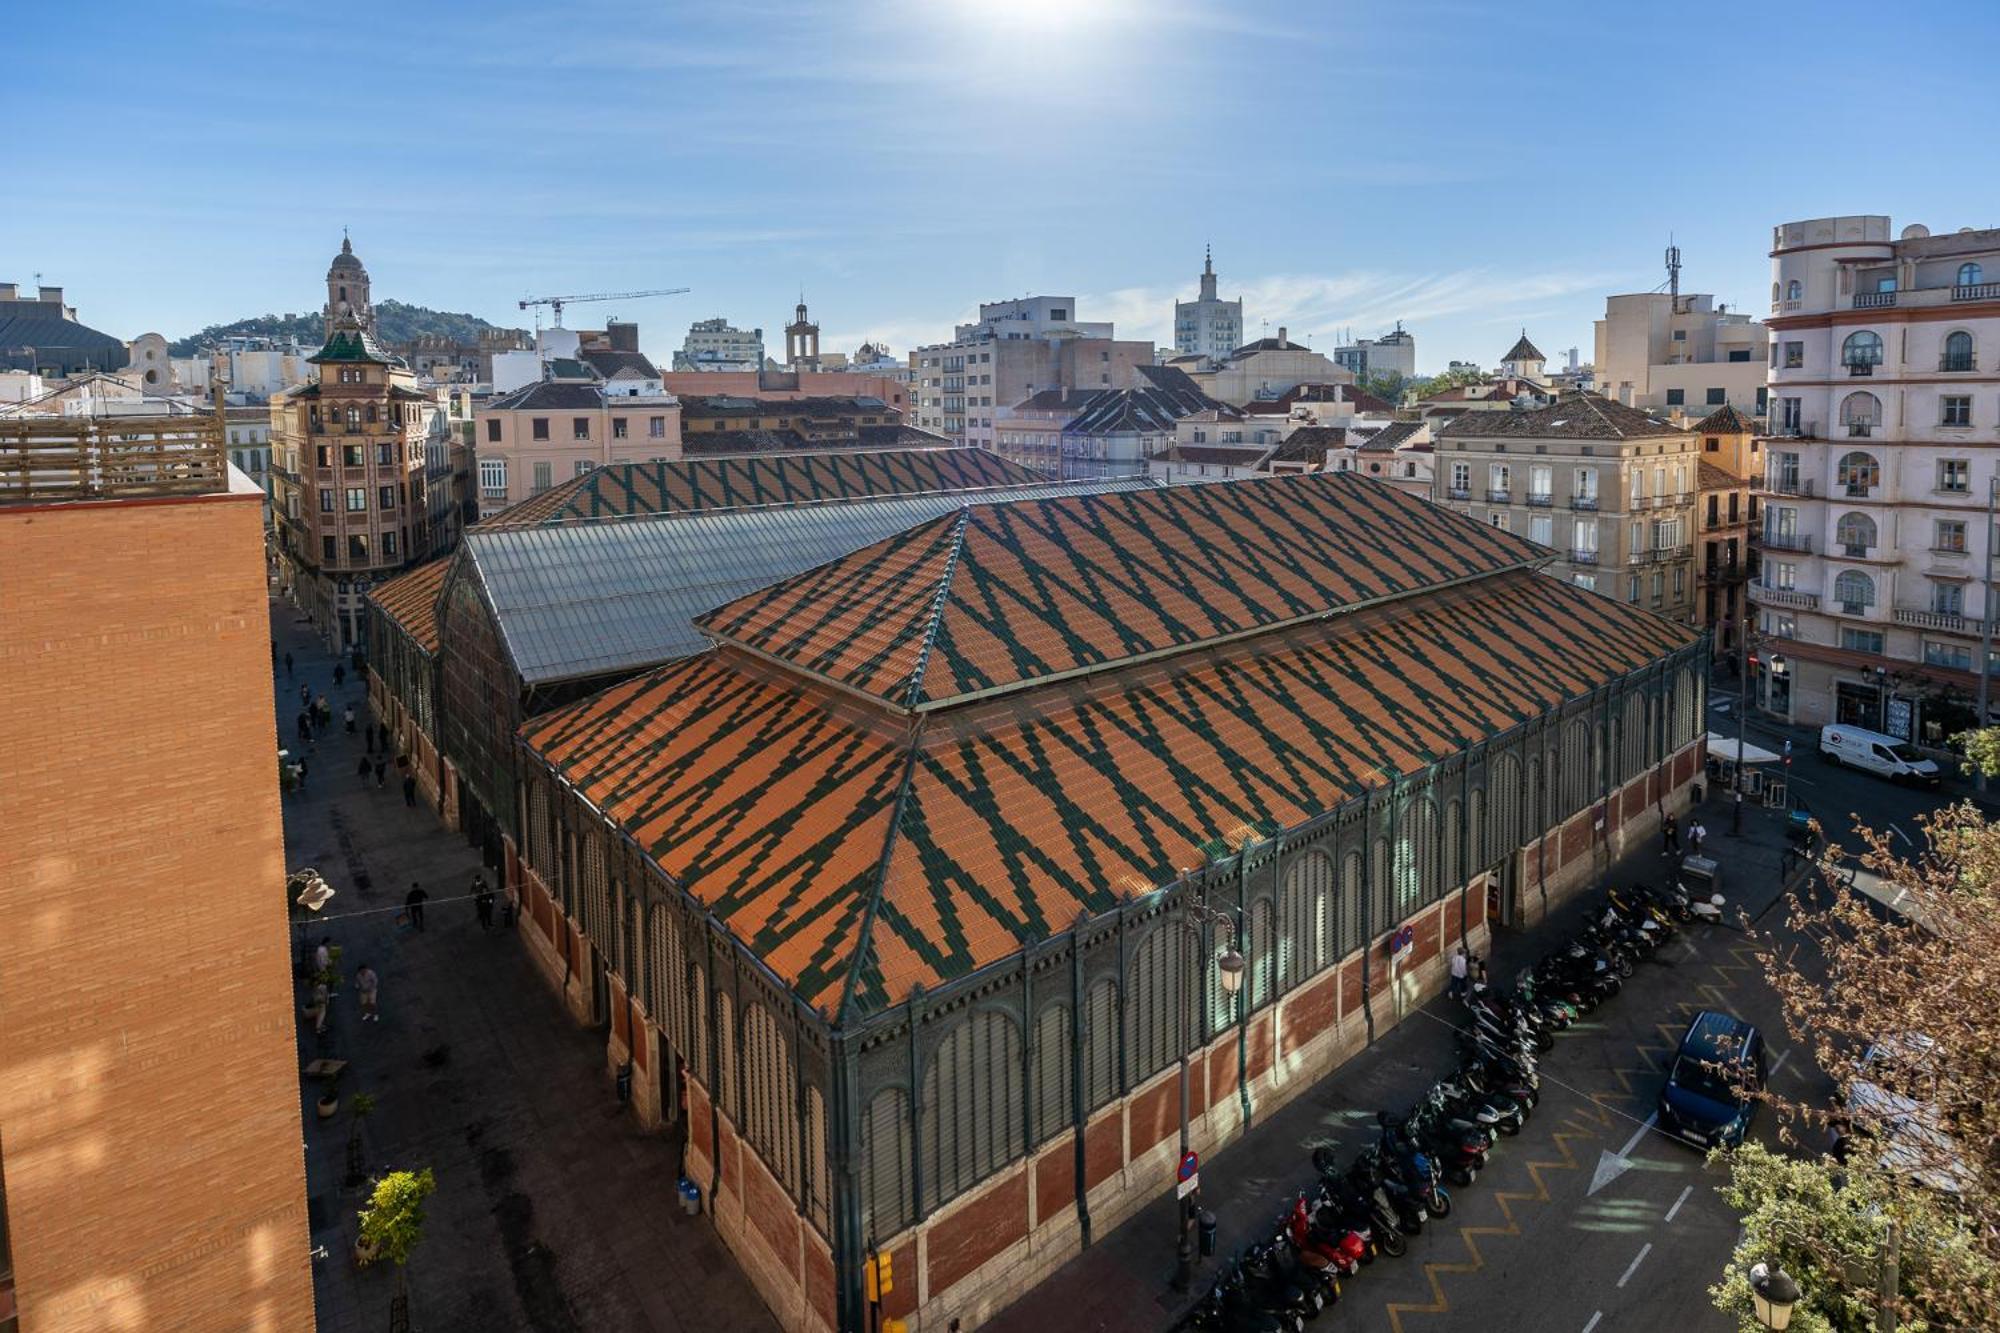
(1871,751)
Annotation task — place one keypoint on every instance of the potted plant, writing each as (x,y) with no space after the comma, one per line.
(358,1107)
(391,1226)
(329,1095)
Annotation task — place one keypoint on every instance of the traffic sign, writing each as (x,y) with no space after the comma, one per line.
(1187,1187)
(1190,1163)
(1403,942)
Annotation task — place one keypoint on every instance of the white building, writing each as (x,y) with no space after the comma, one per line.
(1208,326)
(1015,350)
(1266,369)
(1681,354)
(1885,358)
(1394,353)
(713,344)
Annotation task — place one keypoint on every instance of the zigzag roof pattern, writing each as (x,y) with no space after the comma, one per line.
(860,852)
(628,490)
(1005,596)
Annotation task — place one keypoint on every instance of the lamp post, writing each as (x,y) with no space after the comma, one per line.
(1195,914)
(1882,697)
(1986,615)
(1742,707)
(1772,1296)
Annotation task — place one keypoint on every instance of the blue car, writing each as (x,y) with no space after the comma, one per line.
(1708,1099)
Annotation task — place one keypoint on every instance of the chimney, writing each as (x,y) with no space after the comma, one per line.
(9,292)
(49,295)
(1281,333)
(623,334)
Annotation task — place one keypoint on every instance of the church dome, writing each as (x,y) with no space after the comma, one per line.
(345,262)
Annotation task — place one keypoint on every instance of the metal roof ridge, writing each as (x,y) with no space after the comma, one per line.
(866,936)
(936,617)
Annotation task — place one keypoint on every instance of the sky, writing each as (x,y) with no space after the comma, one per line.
(1470,169)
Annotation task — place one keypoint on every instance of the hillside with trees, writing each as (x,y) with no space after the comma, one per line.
(395,322)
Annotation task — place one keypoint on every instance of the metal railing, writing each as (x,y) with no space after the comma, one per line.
(1860,430)
(1458,493)
(1861,368)
(1797,430)
(60,458)
(1540,499)
(1771,596)
(1587,503)
(1949,621)
(1577,557)
(1498,497)
(1956,364)
(1788,541)
(1874,300)
(1660,555)
(1805,489)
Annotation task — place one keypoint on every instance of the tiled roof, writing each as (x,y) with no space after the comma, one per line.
(1268,345)
(1227,455)
(861,853)
(1391,437)
(1057,400)
(622,490)
(1725,420)
(1523,351)
(726,443)
(411,601)
(549,396)
(1004,596)
(1167,396)
(1712,478)
(1308,444)
(1364,402)
(350,345)
(1582,416)
(609,363)
(694,406)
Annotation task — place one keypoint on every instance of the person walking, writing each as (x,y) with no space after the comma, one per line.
(482,902)
(305,729)
(288,666)
(381,772)
(322,713)
(368,986)
(1695,834)
(322,1001)
(410,791)
(1460,966)
(1670,836)
(347,716)
(305,694)
(302,772)
(339,675)
(363,769)
(413,903)
(323,954)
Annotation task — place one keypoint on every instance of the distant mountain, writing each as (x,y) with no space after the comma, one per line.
(395,322)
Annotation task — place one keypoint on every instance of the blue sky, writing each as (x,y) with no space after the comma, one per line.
(1468,168)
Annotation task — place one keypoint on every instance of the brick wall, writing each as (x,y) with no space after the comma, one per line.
(149,1083)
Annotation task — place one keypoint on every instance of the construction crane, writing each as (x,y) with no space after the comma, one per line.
(556,303)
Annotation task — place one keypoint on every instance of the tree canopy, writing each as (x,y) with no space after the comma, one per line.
(395,322)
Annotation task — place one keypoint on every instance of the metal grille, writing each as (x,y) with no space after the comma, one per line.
(1381,896)
(770,1096)
(1153,1003)
(1260,952)
(696,1050)
(628,951)
(1301,948)
(1100,1043)
(1052,1071)
(596,902)
(725,1057)
(1350,903)
(819,1188)
(665,998)
(971,1106)
(1506,798)
(540,845)
(885,1165)
(1632,738)
(1575,788)
(1452,872)
(1416,856)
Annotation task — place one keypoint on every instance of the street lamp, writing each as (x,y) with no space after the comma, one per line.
(1772,1295)
(1195,914)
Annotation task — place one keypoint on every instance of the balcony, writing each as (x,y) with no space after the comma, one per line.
(1585,503)
(1769,596)
(1540,499)
(1861,369)
(1792,486)
(1582,557)
(1725,572)
(1978,291)
(1957,365)
(1874,300)
(1859,430)
(1858,490)
(1950,622)
(1788,541)
(1796,430)
(1499,497)
(1661,555)
(1458,493)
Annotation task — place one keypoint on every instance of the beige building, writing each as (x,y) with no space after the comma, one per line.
(1680,354)
(1609,488)
(1727,518)
(1015,350)
(1879,465)
(151,1174)
(561,427)
(1265,369)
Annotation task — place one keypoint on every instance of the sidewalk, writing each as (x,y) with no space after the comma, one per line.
(553,1210)
(1121,1282)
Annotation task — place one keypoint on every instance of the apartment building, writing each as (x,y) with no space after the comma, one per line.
(1394,353)
(714,344)
(357,458)
(1610,489)
(1727,519)
(1265,369)
(1680,354)
(1208,326)
(1012,352)
(248,432)
(564,425)
(1030,432)
(1119,431)
(1880,462)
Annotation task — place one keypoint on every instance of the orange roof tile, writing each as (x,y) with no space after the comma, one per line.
(410,599)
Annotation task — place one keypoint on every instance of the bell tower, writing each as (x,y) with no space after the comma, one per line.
(347,290)
(801,340)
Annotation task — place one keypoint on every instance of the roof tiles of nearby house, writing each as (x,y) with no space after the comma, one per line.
(732,443)
(550,396)
(1709,477)
(861,851)
(1167,396)
(1057,400)
(608,363)
(1583,416)
(624,490)
(1268,345)
(1308,444)
(353,345)
(1391,437)
(1725,420)
(1219,455)
(410,599)
(1523,350)
(696,405)
(1364,402)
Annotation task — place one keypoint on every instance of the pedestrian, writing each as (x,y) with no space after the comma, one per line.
(413,903)
(1478,974)
(347,716)
(288,666)
(302,772)
(381,772)
(368,986)
(322,713)
(410,791)
(363,769)
(322,1001)
(1670,836)
(368,734)
(482,902)
(323,954)
(383,732)
(1695,834)
(305,694)
(339,675)
(305,728)
(1460,965)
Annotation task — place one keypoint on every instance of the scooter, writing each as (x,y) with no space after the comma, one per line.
(1698,909)
(1495,1112)
(1270,1290)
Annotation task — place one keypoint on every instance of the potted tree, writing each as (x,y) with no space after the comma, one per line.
(358,1107)
(391,1226)
(329,1094)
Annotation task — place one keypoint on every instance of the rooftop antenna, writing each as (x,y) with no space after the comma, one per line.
(1673,271)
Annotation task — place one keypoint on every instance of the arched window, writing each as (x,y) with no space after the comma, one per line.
(1862,349)
(1859,473)
(1793,290)
(1957,348)
(970,1108)
(1855,533)
(1970,275)
(354,418)
(1774,292)
(1860,413)
(1854,591)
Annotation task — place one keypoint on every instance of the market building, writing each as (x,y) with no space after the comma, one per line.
(884,893)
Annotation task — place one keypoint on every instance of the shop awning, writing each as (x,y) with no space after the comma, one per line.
(1724,747)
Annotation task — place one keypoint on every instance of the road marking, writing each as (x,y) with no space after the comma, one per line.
(1644,1129)
(1678,1202)
(1904,836)
(1637,1259)
(1611,1165)
(1593,1321)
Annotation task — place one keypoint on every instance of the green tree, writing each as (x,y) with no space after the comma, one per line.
(393,1221)
(1982,750)
(1426,386)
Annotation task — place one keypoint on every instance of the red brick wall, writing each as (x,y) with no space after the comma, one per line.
(820,1292)
(1156,1113)
(621,1030)
(1103,1149)
(1424,946)
(977,1230)
(1311,1011)
(1576,838)
(1055,1179)
(637,1018)
(901,1302)
(1258,1051)
(773,1213)
(1222,1069)
(1350,986)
